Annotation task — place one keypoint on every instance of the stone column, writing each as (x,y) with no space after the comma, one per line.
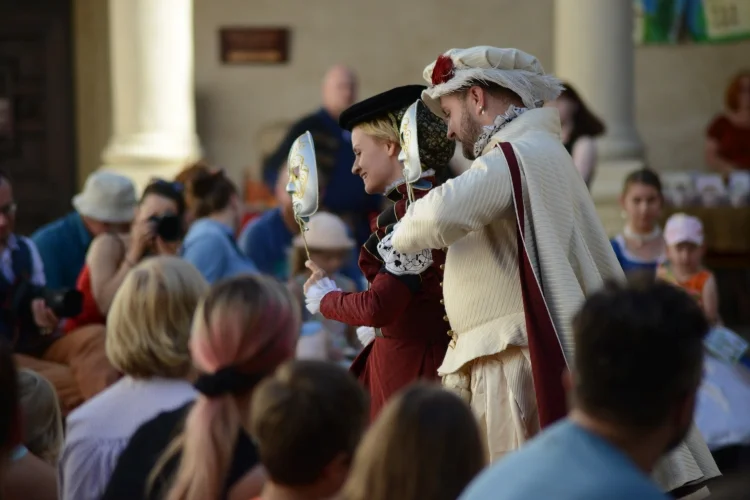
(151,49)
(594,51)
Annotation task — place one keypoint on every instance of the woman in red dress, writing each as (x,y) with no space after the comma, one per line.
(728,135)
(401,315)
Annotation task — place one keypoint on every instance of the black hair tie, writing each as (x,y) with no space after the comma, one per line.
(228,380)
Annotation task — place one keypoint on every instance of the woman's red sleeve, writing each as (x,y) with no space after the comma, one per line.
(379,306)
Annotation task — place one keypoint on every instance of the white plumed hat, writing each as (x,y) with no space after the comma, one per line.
(512,69)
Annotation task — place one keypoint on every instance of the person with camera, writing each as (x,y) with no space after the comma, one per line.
(156,229)
(29,317)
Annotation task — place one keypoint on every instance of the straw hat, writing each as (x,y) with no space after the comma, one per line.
(107,197)
(326,232)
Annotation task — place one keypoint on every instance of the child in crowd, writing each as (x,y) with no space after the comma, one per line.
(307,422)
(330,248)
(42,418)
(683,235)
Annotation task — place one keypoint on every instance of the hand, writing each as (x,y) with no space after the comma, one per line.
(141,238)
(317,275)
(44,318)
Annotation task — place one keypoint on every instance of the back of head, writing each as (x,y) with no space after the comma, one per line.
(42,419)
(171,190)
(245,325)
(148,326)
(339,89)
(209,192)
(424,444)
(638,353)
(307,415)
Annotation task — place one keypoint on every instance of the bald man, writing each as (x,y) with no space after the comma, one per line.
(341,192)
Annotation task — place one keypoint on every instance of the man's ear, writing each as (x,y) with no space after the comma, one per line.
(475,96)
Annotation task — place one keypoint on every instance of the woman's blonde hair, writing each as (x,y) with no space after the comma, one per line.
(42,418)
(250,323)
(385,129)
(424,444)
(148,326)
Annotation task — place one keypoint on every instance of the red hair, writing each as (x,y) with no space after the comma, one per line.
(732,96)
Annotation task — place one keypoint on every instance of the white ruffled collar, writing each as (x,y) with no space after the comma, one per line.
(393,185)
(500,121)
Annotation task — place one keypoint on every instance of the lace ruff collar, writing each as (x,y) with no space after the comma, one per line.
(510,114)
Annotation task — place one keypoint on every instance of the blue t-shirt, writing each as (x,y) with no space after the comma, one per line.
(210,246)
(565,462)
(63,245)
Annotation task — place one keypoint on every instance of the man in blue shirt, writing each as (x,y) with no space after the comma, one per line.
(107,204)
(638,364)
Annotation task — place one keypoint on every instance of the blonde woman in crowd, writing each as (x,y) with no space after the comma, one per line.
(147,340)
(243,330)
(42,418)
(425,444)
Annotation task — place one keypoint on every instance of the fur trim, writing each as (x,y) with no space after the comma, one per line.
(532,88)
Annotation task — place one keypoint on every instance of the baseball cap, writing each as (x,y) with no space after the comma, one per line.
(683,228)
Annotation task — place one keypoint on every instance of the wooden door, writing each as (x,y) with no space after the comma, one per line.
(36,108)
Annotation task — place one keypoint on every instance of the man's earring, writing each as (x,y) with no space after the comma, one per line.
(481,110)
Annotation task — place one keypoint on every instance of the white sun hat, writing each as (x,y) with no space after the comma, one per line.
(107,197)
(512,69)
(326,231)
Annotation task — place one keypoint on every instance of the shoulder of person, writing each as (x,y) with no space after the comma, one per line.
(108,242)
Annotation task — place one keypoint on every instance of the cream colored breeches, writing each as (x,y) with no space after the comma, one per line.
(500,390)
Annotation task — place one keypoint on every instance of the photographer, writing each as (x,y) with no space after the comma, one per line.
(76,364)
(156,230)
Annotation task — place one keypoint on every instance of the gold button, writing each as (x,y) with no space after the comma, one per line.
(445,318)
(442,266)
(450,333)
(442,301)
(441,283)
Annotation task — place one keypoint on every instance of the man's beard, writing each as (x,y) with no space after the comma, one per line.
(469,134)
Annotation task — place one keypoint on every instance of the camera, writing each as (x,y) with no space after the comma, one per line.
(167,227)
(65,303)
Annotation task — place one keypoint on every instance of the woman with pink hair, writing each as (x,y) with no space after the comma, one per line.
(243,330)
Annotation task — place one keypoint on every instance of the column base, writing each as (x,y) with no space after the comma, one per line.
(606,191)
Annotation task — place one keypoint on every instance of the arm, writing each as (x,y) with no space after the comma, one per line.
(107,269)
(206,257)
(464,204)
(584,157)
(711,300)
(385,301)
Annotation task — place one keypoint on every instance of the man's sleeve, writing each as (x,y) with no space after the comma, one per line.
(464,204)
(43,247)
(37,266)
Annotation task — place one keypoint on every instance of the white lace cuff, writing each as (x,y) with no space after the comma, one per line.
(365,334)
(398,263)
(316,293)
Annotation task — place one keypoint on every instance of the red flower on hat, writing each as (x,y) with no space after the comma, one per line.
(443,70)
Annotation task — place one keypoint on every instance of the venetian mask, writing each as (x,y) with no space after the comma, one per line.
(303,177)
(409,154)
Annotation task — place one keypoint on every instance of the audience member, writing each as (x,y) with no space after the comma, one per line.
(74,363)
(425,444)
(307,421)
(638,361)
(147,340)
(683,235)
(156,230)
(244,328)
(342,193)
(728,135)
(23,476)
(42,419)
(640,247)
(106,205)
(580,128)
(210,242)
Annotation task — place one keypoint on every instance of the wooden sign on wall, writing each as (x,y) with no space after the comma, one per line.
(254,45)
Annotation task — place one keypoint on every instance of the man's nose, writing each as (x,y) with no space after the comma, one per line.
(451,134)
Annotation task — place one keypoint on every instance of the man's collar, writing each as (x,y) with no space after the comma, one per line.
(538,120)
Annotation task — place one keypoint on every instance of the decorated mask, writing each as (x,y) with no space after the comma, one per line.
(303,177)
(409,154)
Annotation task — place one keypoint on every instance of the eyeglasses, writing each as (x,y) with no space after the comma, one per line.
(9,210)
